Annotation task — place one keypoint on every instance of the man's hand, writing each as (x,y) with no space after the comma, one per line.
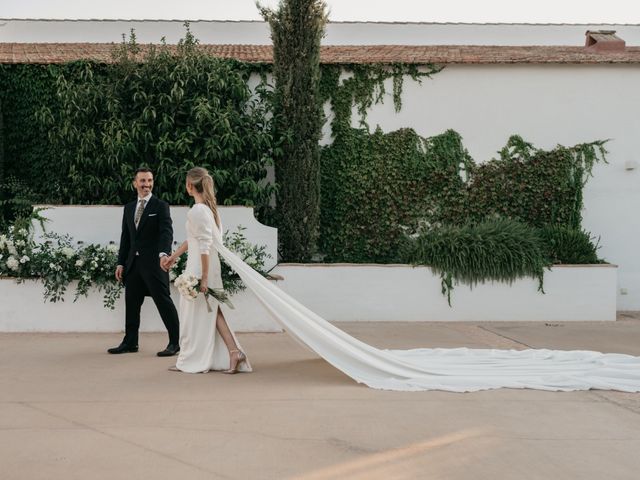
(119,272)
(166,262)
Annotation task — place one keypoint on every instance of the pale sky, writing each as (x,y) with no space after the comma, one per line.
(480,11)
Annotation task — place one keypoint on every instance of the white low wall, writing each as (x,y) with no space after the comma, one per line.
(22,309)
(346,293)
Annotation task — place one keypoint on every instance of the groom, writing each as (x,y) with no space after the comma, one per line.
(146,238)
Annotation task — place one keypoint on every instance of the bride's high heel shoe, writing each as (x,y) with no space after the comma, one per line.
(241,358)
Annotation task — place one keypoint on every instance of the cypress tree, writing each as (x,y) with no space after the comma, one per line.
(296,29)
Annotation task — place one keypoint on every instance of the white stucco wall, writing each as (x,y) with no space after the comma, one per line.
(339,33)
(546,105)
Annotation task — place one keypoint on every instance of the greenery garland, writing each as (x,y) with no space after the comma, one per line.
(59,260)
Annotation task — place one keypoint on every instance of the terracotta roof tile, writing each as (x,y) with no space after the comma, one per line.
(46,53)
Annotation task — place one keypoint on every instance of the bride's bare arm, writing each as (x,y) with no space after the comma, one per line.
(204,258)
(171,259)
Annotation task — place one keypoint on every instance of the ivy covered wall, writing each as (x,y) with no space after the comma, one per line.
(88,126)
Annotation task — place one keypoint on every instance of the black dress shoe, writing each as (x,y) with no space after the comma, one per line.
(123,348)
(170,351)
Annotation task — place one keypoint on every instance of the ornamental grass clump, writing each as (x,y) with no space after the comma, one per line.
(496,249)
(569,245)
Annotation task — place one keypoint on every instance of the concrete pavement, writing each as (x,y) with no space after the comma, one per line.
(70,410)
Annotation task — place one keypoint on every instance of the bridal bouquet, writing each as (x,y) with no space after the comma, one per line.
(189,287)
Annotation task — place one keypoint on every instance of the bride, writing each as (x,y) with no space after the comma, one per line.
(456,369)
(205,344)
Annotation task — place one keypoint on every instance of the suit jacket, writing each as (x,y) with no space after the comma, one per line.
(153,235)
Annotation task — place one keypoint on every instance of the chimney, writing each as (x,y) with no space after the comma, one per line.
(603,41)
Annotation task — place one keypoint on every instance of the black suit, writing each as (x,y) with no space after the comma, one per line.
(139,254)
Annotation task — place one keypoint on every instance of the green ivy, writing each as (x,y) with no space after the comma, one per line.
(364,86)
(24,89)
(378,186)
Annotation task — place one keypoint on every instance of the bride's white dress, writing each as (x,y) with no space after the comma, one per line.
(201,346)
(456,370)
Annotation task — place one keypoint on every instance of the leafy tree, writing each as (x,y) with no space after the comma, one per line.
(166,107)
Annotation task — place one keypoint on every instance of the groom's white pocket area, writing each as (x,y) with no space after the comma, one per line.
(153,214)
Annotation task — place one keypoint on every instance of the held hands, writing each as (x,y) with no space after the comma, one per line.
(166,262)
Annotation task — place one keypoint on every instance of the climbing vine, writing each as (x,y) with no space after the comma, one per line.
(363,85)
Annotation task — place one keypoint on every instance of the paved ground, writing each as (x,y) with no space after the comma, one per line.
(71,411)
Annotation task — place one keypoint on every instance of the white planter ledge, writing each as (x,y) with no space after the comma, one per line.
(22,309)
(344,292)
(373,292)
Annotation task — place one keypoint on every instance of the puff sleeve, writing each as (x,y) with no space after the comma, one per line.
(202,220)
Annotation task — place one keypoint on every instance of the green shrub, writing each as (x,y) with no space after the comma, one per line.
(167,108)
(569,246)
(497,249)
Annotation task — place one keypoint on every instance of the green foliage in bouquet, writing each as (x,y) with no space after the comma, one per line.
(497,249)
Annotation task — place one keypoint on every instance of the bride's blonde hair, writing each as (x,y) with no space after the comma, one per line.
(200,179)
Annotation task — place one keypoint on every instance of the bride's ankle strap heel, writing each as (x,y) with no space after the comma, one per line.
(241,358)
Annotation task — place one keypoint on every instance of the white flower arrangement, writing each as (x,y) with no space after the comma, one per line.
(189,287)
(59,260)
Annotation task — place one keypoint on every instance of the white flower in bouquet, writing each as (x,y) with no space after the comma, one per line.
(79,263)
(68,252)
(112,248)
(11,248)
(94,264)
(13,263)
(24,259)
(172,275)
(20,243)
(3,242)
(23,232)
